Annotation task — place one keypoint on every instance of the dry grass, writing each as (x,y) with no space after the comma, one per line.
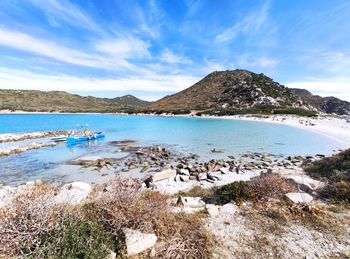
(179,235)
(270,186)
(34,225)
(32,215)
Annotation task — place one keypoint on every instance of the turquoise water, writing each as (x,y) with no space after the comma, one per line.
(196,135)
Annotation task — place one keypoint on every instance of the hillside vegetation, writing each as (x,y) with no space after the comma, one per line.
(58,101)
(324,104)
(231,90)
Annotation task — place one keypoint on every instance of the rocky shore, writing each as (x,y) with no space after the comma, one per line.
(162,170)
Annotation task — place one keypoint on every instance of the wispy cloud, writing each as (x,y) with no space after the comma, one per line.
(30,44)
(332,87)
(249,24)
(63,10)
(255,61)
(124,47)
(22,79)
(168,56)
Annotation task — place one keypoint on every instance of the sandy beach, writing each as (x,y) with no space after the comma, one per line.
(334,128)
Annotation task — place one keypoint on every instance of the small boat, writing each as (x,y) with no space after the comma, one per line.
(59,138)
(75,140)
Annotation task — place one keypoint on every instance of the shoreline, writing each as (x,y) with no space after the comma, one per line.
(336,129)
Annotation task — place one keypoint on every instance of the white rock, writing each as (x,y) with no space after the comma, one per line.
(184,178)
(297,197)
(137,242)
(177,178)
(212,209)
(159,176)
(228,209)
(184,172)
(189,202)
(224,170)
(73,193)
(5,196)
(202,176)
(111,255)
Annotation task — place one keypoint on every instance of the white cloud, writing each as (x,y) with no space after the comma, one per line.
(65,11)
(124,47)
(27,43)
(249,24)
(168,56)
(249,61)
(26,80)
(325,88)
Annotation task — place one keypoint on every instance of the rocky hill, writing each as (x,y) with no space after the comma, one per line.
(58,101)
(323,104)
(237,89)
(130,101)
(242,91)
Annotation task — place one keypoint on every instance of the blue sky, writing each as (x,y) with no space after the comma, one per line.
(153,48)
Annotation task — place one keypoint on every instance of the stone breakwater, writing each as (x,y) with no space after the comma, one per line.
(21,149)
(11,137)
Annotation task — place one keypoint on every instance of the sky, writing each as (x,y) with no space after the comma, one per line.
(150,49)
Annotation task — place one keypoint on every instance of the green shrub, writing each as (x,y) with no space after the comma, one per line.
(335,168)
(236,191)
(338,191)
(76,238)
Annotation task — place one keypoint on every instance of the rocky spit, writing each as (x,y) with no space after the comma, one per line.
(12,137)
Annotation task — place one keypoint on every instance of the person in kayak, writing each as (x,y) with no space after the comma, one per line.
(86,132)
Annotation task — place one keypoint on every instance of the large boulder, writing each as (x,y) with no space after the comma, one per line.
(163,175)
(73,193)
(137,242)
(300,197)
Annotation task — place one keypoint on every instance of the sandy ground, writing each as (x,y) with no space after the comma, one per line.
(334,128)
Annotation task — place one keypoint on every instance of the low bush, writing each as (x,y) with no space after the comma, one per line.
(260,188)
(76,237)
(337,191)
(270,186)
(33,225)
(123,205)
(335,170)
(236,191)
(31,216)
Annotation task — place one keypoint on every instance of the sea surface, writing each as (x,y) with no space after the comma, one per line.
(181,134)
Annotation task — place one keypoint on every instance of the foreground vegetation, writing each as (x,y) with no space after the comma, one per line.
(37,227)
(335,170)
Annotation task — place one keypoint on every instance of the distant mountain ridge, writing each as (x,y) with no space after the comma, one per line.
(219,93)
(130,101)
(323,104)
(59,101)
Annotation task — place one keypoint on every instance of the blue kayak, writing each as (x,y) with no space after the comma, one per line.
(75,140)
